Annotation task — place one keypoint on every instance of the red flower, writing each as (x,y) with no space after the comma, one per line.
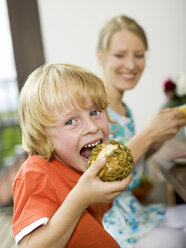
(169,85)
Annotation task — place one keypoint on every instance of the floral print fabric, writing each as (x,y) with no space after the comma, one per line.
(128,220)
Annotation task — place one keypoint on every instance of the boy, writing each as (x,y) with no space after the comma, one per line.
(58,202)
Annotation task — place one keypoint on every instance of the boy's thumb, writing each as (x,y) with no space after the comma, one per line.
(97,165)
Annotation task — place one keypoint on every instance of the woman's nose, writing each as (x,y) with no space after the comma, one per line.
(129,63)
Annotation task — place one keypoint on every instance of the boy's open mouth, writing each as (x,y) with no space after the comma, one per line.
(87,149)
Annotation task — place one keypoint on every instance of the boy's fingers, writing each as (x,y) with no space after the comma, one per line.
(97,166)
(119,186)
(127,180)
(115,186)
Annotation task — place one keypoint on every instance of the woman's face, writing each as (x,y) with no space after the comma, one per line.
(124,61)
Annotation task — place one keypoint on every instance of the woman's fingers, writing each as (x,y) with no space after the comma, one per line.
(181,123)
(179,114)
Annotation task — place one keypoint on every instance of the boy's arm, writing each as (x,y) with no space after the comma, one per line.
(60,227)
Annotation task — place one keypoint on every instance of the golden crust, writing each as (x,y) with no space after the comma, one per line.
(119,162)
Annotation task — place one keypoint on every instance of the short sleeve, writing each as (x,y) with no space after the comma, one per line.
(34,198)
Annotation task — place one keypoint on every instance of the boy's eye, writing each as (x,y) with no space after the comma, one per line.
(95,112)
(70,122)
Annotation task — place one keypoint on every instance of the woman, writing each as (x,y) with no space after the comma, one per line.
(121,52)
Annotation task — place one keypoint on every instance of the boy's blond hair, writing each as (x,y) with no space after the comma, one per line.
(50,87)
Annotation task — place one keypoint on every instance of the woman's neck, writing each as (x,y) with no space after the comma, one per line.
(115,100)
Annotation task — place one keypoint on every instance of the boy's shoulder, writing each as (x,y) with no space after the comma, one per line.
(33,164)
(54,170)
(36,173)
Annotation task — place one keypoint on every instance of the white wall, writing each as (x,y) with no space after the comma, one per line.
(70,29)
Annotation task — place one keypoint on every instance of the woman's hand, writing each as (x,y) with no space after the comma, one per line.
(91,190)
(160,128)
(165,124)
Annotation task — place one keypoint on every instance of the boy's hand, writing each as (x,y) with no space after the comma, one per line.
(91,190)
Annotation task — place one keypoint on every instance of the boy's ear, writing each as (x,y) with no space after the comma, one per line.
(99,57)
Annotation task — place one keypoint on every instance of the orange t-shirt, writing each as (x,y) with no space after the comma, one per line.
(40,188)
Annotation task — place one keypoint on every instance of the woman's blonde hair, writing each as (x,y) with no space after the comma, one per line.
(50,87)
(118,23)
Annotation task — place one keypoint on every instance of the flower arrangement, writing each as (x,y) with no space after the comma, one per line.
(175,90)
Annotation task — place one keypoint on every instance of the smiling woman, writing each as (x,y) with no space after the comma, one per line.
(121,52)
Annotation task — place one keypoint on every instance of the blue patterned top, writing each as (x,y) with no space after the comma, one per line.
(129,220)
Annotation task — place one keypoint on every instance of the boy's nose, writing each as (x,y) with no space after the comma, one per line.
(90,127)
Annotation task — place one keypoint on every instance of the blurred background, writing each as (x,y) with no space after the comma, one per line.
(70,33)
(37,31)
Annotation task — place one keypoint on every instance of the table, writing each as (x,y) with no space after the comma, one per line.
(174,173)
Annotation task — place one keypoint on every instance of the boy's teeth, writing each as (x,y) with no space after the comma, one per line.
(92,145)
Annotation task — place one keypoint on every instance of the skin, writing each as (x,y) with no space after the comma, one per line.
(122,66)
(77,128)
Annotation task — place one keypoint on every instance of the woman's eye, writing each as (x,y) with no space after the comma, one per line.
(118,55)
(95,112)
(141,55)
(70,122)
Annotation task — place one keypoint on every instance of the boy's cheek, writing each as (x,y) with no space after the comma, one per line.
(106,133)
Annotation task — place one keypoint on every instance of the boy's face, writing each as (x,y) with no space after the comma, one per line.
(77,132)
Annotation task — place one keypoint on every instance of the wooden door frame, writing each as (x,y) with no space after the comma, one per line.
(26,37)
